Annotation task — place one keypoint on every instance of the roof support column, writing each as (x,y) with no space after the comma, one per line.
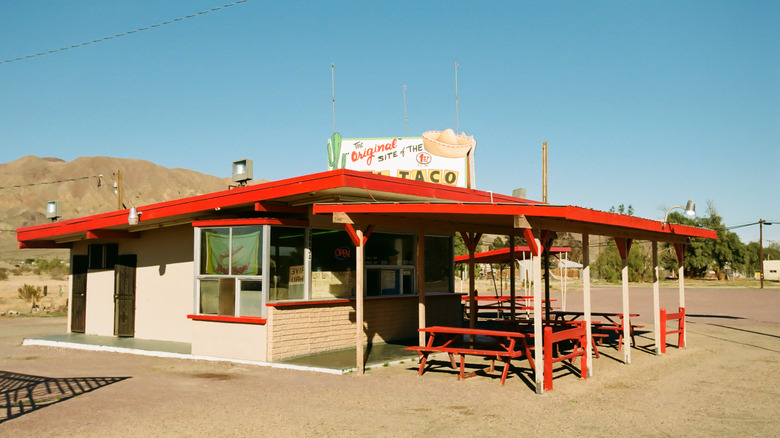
(586,301)
(624,248)
(421,284)
(680,250)
(536,252)
(512,272)
(547,239)
(359,239)
(360,261)
(656,300)
(472,240)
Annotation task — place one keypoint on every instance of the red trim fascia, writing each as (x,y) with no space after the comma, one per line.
(278,207)
(250,221)
(307,303)
(236,319)
(352,300)
(571,213)
(498,253)
(112,234)
(34,244)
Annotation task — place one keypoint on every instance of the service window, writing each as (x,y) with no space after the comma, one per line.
(229,279)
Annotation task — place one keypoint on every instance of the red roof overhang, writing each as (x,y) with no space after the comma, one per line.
(497,218)
(284,196)
(502,255)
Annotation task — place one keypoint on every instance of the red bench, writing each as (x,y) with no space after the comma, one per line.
(680,317)
(502,345)
(579,336)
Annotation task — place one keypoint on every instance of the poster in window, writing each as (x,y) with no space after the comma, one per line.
(245,253)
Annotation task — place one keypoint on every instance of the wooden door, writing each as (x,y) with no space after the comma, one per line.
(124,295)
(78,309)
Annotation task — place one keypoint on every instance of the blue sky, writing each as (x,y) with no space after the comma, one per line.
(641,103)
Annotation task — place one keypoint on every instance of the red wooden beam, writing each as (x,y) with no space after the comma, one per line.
(679,248)
(112,234)
(471,240)
(536,250)
(276,207)
(623,246)
(353,234)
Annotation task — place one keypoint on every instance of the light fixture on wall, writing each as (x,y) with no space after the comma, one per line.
(53,210)
(242,171)
(690,210)
(133,217)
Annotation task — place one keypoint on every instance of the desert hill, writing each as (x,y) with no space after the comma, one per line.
(29,182)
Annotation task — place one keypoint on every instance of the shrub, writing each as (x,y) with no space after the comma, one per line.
(30,293)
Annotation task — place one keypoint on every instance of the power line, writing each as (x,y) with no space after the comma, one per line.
(100,40)
(52,182)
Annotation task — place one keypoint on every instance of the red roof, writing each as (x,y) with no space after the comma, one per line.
(273,196)
(370,199)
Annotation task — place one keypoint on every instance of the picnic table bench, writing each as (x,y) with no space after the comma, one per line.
(611,322)
(493,344)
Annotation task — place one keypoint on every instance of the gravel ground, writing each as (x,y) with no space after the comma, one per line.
(724,383)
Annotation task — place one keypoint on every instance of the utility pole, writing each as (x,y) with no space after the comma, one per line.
(761,250)
(119,204)
(457,129)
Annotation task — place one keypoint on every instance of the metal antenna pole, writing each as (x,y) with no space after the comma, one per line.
(406,118)
(544,171)
(333,93)
(761,251)
(457,129)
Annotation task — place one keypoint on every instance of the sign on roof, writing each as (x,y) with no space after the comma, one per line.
(448,162)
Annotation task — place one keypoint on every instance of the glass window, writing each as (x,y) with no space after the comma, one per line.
(390,264)
(332,265)
(287,269)
(438,264)
(231,251)
(390,249)
(230,268)
(251,301)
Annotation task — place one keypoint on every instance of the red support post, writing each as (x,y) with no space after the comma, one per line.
(548,359)
(681,329)
(663,331)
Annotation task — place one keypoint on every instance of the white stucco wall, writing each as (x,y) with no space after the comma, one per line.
(164,283)
(164,286)
(230,340)
(772,270)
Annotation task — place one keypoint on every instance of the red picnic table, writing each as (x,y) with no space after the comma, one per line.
(611,322)
(493,344)
(486,302)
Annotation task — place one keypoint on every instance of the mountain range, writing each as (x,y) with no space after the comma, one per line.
(85,186)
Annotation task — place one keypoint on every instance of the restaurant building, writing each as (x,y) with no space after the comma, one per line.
(321,262)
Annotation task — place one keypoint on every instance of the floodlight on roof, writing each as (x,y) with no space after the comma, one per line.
(242,171)
(53,210)
(690,210)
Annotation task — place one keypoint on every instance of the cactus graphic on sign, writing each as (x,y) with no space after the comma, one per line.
(334,153)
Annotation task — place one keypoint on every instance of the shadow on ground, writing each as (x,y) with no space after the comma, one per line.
(22,393)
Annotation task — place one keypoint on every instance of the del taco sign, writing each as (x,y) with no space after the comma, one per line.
(440,157)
